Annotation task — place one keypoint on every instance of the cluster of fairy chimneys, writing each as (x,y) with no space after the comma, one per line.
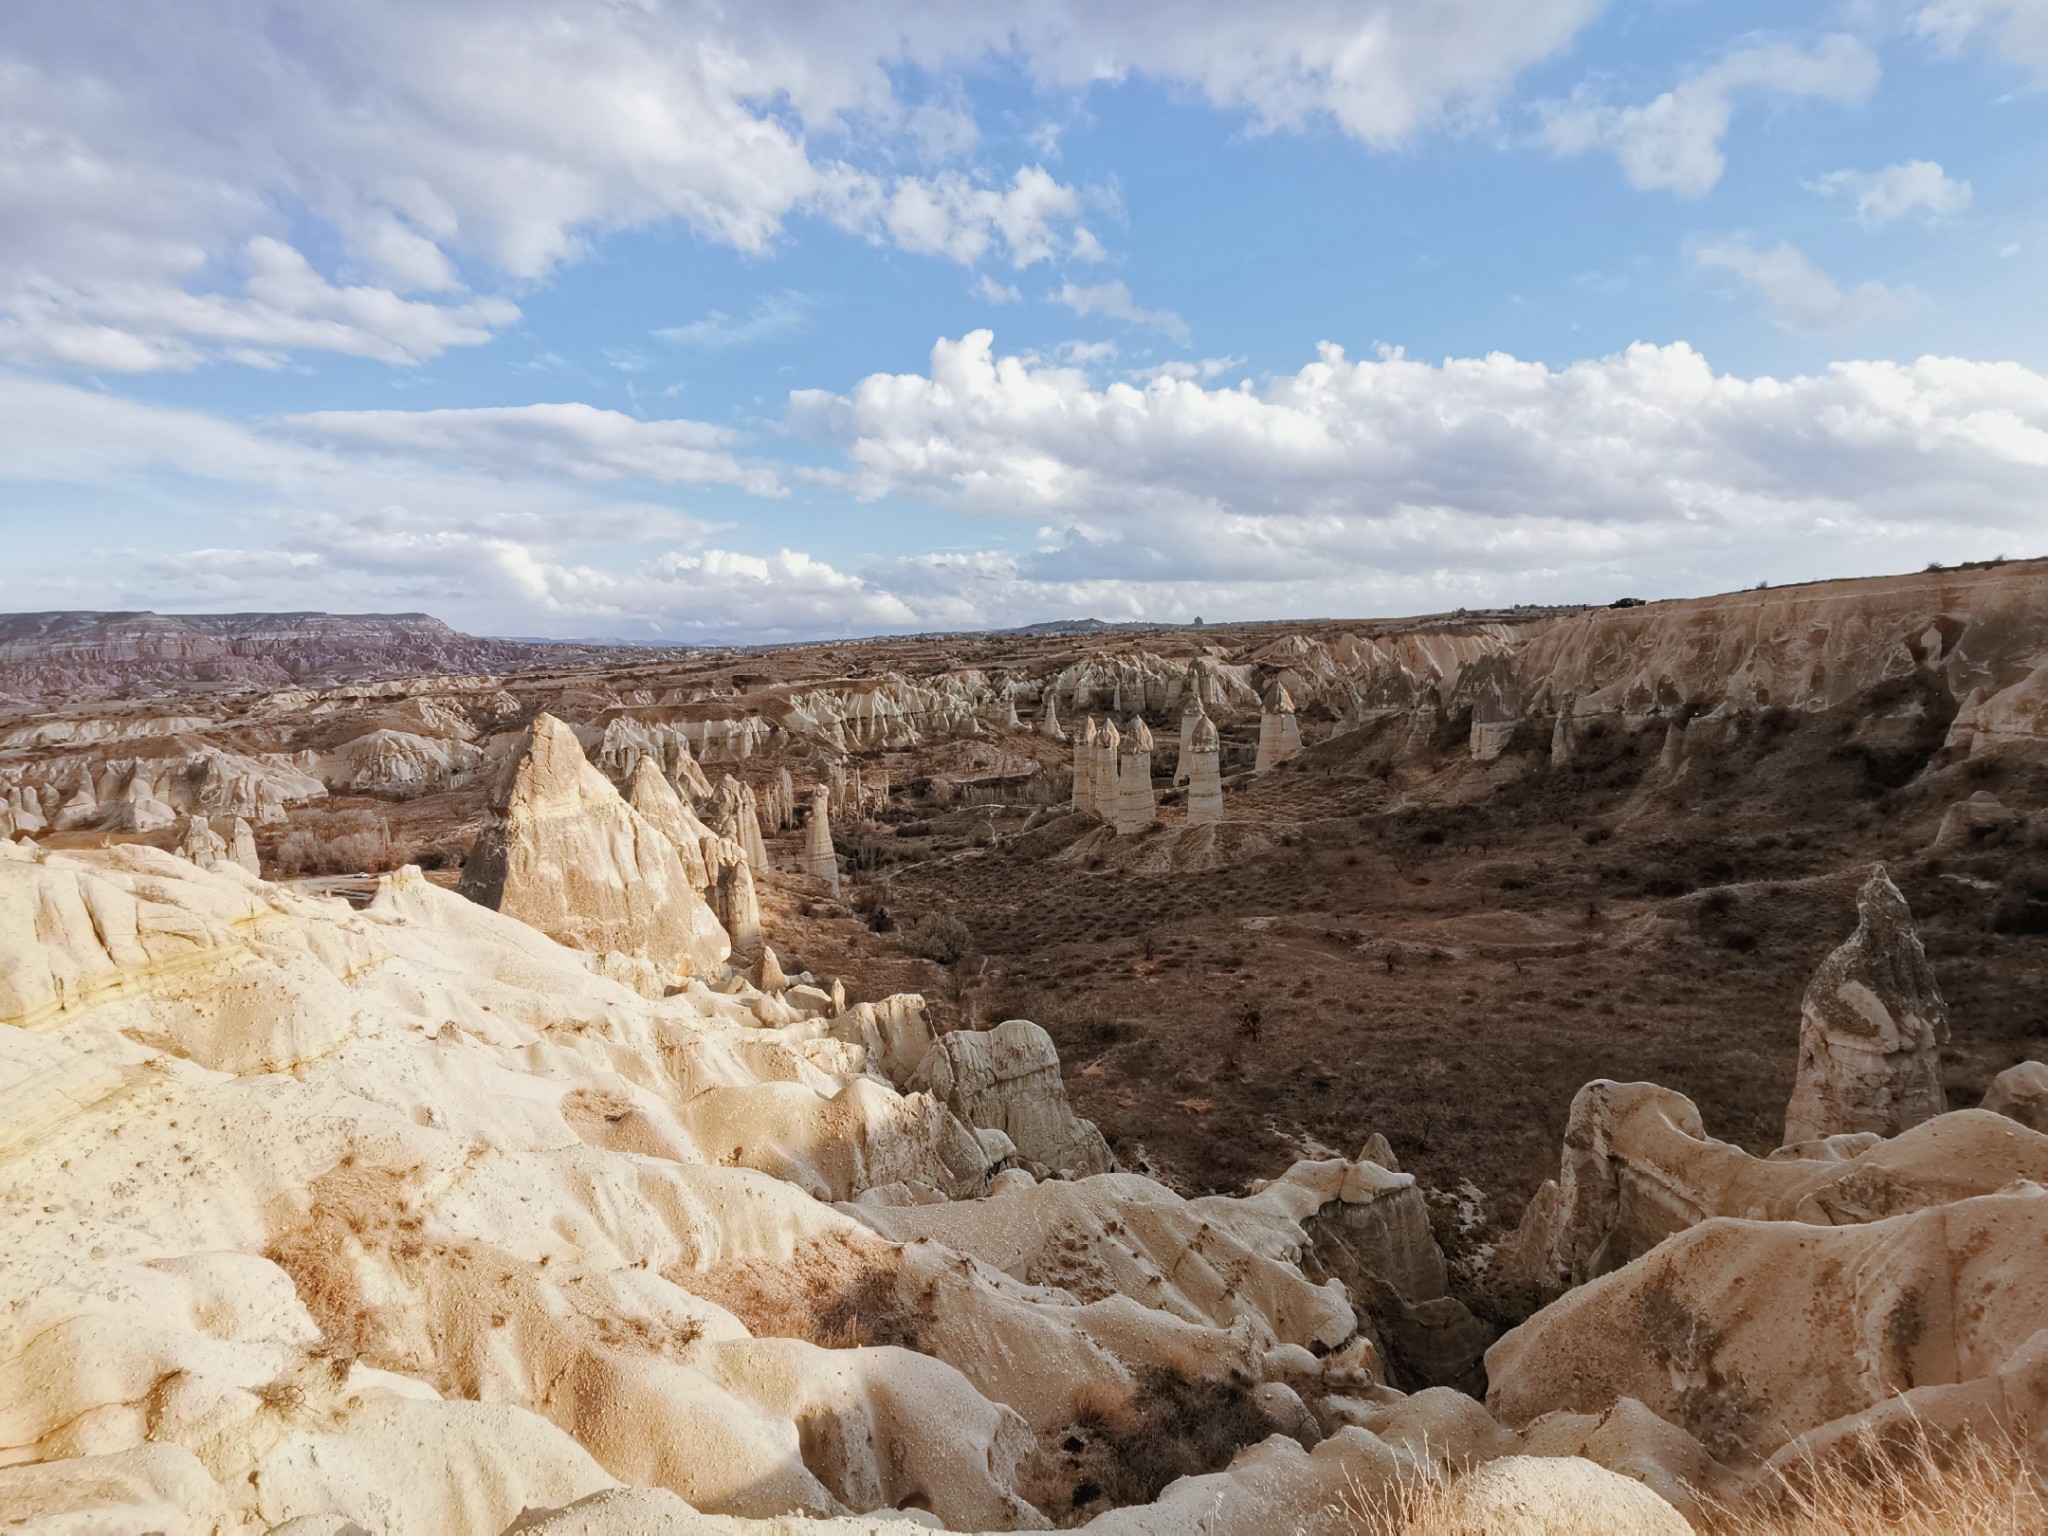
(1113,769)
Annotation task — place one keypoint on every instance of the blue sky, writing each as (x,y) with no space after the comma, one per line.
(592,317)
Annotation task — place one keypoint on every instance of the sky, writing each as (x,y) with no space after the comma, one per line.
(662,320)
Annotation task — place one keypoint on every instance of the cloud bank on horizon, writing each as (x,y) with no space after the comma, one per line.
(668,320)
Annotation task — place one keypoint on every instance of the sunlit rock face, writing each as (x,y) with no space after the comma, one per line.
(570,858)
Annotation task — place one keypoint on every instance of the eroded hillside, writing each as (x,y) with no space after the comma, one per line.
(1037,1080)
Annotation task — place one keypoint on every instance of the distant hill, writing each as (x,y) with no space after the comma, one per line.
(76,654)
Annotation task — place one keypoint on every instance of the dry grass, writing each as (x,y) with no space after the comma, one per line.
(1912,1484)
(831,1293)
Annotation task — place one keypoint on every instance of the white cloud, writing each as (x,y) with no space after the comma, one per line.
(990,291)
(2018,27)
(577,441)
(138,326)
(1914,186)
(776,314)
(1479,475)
(1203,368)
(1114,302)
(953,215)
(1674,142)
(444,151)
(1801,296)
(1349,487)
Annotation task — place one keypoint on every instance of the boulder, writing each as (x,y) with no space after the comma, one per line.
(1553,1496)
(1638,1167)
(1871,1028)
(1975,820)
(2021,1093)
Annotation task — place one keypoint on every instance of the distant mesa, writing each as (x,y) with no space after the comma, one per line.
(81,654)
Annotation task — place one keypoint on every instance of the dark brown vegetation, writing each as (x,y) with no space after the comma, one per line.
(1447,957)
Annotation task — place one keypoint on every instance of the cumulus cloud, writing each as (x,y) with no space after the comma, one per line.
(1478,473)
(1801,296)
(1113,301)
(442,152)
(1674,142)
(1914,186)
(1352,486)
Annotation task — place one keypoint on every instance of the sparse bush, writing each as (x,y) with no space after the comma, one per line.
(939,937)
(348,843)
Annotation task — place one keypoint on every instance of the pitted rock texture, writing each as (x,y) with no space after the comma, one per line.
(1871,1029)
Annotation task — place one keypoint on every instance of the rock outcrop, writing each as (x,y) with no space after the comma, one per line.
(734,898)
(1970,823)
(821,862)
(1871,1029)
(1279,732)
(1086,745)
(734,812)
(655,799)
(1638,1168)
(2021,1093)
(1202,760)
(572,859)
(1008,1079)
(1749,1334)
(1137,804)
(1049,717)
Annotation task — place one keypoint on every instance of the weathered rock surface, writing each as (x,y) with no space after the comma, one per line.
(651,795)
(1555,1496)
(1871,1029)
(1748,1334)
(572,859)
(1279,732)
(1202,761)
(2021,1093)
(1638,1168)
(821,862)
(1008,1079)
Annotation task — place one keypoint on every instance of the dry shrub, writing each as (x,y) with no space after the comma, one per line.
(346,843)
(1126,1450)
(831,1293)
(355,1202)
(939,936)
